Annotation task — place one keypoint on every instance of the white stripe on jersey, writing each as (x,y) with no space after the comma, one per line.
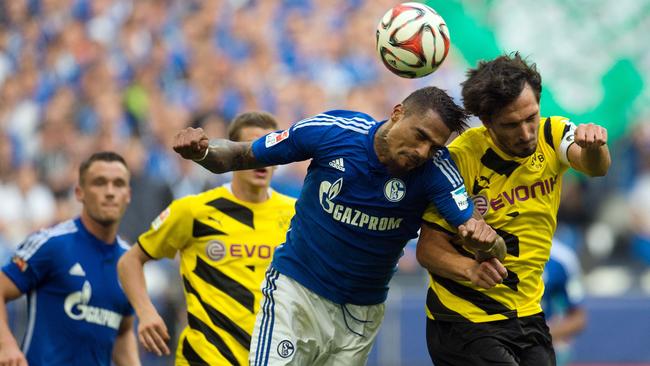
(360,124)
(33,242)
(449,172)
(357,121)
(32,322)
(336,123)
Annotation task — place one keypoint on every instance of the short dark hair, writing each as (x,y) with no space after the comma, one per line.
(262,120)
(108,156)
(492,85)
(432,98)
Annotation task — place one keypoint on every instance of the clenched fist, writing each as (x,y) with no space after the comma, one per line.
(191,143)
(482,240)
(590,136)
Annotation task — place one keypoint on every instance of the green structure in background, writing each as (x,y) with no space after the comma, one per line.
(591,53)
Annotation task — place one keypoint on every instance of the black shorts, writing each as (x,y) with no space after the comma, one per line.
(523,341)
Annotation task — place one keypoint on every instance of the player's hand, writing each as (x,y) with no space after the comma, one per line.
(590,136)
(191,143)
(152,333)
(10,355)
(477,234)
(487,274)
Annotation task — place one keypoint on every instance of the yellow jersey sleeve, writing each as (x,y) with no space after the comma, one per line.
(169,231)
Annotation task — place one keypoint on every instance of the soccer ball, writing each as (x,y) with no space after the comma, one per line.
(412,40)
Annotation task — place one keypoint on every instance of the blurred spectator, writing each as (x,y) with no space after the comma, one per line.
(149,196)
(639,195)
(27,205)
(80,75)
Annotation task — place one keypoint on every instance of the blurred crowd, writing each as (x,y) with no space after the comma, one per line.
(77,76)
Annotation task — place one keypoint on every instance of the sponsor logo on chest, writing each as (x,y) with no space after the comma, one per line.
(216,250)
(351,216)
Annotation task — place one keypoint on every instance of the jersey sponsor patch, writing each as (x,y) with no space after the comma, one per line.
(215,250)
(160,219)
(275,138)
(76,306)
(460,197)
(394,190)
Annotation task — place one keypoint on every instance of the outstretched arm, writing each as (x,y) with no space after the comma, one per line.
(589,154)
(218,156)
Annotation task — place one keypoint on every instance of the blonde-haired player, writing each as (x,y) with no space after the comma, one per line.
(226,238)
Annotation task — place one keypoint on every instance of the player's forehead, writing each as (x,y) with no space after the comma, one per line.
(431,125)
(250,133)
(525,106)
(107,169)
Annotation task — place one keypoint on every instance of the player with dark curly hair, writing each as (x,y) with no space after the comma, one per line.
(513,167)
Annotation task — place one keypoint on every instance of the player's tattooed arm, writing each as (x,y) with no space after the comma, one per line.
(225,156)
(218,156)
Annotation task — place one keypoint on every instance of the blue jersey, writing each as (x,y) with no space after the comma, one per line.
(353,218)
(563,288)
(75,302)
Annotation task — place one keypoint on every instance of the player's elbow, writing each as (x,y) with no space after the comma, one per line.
(422,255)
(123,265)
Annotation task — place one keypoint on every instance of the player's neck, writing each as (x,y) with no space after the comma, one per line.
(380,145)
(249,193)
(105,233)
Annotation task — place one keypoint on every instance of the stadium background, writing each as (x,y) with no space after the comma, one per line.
(79,75)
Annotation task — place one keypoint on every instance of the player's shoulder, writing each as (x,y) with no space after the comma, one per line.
(337,121)
(192,200)
(473,141)
(280,199)
(53,237)
(553,129)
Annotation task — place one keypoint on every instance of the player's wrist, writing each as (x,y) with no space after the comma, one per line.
(205,155)
(498,250)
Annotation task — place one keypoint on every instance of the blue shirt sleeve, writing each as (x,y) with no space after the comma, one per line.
(446,189)
(31,263)
(297,143)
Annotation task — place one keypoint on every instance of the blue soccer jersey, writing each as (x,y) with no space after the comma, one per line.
(353,218)
(75,302)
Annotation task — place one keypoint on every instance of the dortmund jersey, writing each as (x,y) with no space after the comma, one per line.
(225,247)
(519,198)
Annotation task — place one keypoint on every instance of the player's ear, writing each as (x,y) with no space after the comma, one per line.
(398,112)
(78,192)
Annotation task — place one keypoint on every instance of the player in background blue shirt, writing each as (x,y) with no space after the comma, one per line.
(362,200)
(563,299)
(78,314)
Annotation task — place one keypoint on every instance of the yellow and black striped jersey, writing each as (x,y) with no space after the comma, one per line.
(225,247)
(519,198)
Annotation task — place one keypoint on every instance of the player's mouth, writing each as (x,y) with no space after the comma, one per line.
(261,173)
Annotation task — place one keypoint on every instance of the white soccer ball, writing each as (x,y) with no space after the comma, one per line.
(412,40)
